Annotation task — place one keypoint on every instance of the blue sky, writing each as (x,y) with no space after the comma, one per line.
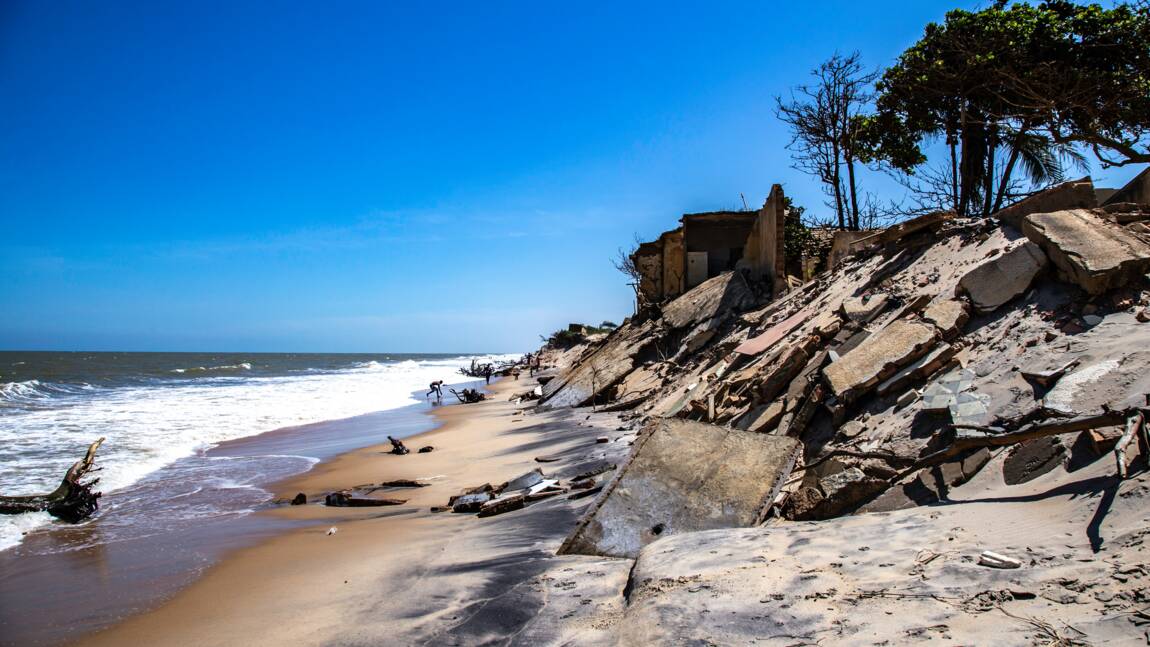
(381,177)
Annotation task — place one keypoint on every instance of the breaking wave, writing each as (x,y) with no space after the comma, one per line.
(150,423)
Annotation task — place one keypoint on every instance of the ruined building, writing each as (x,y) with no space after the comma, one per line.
(708,244)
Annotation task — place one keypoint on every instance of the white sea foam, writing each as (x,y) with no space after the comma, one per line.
(243,366)
(45,427)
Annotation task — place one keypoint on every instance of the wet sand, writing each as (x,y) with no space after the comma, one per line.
(396,574)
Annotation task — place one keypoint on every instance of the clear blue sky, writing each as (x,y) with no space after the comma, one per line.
(380,176)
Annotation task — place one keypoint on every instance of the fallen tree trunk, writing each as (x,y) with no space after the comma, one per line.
(72,501)
(967,438)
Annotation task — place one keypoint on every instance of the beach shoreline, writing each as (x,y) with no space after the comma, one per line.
(300,586)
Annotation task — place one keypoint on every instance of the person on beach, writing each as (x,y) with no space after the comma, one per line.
(488,371)
(437,389)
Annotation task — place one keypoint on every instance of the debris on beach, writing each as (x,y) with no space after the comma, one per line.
(346,499)
(73,500)
(997,560)
(299,499)
(426,449)
(403,483)
(468,396)
(397,447)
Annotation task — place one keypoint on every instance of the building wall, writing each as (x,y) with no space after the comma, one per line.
(764,252)
(1137,190)
(722,235)
(674,263)
(650,277)
(841,246)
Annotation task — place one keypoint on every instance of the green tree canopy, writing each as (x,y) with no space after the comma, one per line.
(1017,86)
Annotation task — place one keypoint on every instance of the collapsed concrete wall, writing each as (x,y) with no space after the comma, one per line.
(1078,194)
(674,264)
(684,476)
(648,260)
(764,252)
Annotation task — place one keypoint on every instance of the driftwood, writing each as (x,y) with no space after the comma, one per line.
(1133,424)
(345,499)
(468,396)
(966,438)
(72,501)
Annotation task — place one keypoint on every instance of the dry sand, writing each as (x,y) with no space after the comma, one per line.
(393,575)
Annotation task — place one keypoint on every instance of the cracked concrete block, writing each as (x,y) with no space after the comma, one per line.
(1089,251)
(1003,277)
(1033,458)
(684,476)
(1068,195)
(948,315)
(863,309)
(879,356)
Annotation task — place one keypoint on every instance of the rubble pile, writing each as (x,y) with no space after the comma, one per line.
(927,334)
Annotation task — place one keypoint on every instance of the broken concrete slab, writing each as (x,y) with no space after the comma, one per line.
(1065,397)
(524,481)
(762,418)
(879,356)
(1089,251)
(684,476)
(1047,377)
(1033,458)
(903,230)
(505,503)
(780,374)
(598,373)
(943,393)
(862,310)
(1003,277)
(469,502)
(348,500)
(1076,194)
(723,294)
(948,315)
(970,409)
(917,370)
(773,335)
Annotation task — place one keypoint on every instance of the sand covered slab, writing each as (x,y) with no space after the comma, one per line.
(684,476)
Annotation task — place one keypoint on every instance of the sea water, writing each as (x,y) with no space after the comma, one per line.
(161,413)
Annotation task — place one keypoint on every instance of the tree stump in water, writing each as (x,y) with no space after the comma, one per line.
(72,501)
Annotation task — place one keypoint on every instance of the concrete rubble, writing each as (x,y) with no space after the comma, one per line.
(1000,279)
(1096,254)
(933,358)
(683,476)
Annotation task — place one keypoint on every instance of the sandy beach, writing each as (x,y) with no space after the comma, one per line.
(400,573)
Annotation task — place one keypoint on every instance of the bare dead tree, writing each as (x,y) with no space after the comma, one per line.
(624,262)
(823,117)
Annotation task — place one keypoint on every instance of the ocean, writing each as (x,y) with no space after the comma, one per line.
(162,413)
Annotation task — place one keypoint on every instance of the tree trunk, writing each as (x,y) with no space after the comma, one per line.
(1004,181)
(988,181)
(72,501)
(854,225)
(953,141)
(837,179)
(964,165)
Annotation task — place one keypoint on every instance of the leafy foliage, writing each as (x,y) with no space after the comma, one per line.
(1016,86)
